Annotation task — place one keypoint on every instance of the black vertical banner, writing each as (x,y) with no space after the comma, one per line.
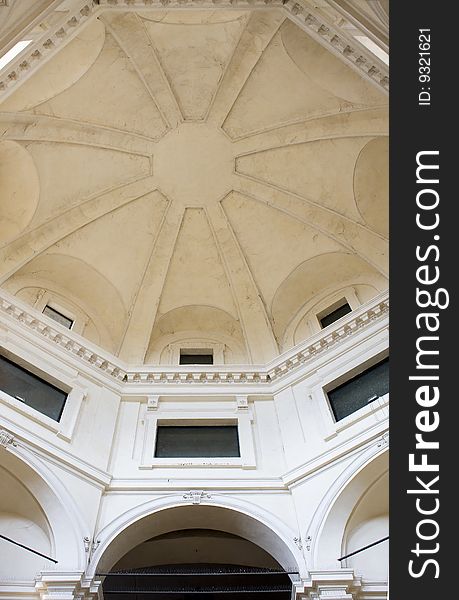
(423,327)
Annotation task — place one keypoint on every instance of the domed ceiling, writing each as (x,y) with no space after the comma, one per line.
(173,176)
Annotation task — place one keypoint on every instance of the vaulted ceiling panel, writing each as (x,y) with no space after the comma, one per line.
(72,173)
(20,189)
(320,171)
(308,82)
(371,184)
(61,72)
(193,54)
(274,242)
(196,275)
(137,224)
(100,96)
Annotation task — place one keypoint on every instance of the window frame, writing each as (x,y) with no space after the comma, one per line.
(164,424)
(344,295)
(60,312)
(196,352)
(64,428)
(35,378)
(79,317)
(155,415)
(331,309)
(346,366)
(218,350)
(349,377)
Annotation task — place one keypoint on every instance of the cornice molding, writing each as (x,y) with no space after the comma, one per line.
(181,4)
(374,439)
(13,311)
(374,23)
(338,41)
(25,444)
(45,46)
(301,12)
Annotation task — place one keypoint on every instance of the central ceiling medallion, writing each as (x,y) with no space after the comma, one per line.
(194,164)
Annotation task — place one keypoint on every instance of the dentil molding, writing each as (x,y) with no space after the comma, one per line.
(13,311)
(304,13)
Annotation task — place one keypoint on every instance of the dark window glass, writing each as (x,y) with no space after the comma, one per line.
(196,359)
(30,389)
(58,317)
(360,390)
(192,441)
(335,315)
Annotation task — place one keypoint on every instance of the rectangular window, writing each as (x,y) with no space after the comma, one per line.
(54,314)
(196,357)
(360,391)
(330,317)
(31,389)
(197,441)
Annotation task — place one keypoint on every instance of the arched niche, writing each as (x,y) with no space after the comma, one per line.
(316,277)
(23,520)
(199,324)
(369,523)
(336,520)
(306,322)
(81,284)
(36,510)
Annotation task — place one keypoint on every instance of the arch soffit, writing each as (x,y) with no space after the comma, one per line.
(65,521)
(328,525)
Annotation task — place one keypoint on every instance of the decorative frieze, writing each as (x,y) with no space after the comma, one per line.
(196,496)
(298,543)
(242,403)
(139,4)
(152,403)
(384,440)
(90,546)
(6,439)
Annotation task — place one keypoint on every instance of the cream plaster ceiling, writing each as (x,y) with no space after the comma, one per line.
(192,175)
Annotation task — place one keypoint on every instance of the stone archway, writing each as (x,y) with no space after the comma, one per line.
(169,514)
(211,536)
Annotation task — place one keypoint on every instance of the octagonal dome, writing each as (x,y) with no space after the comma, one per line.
(193,176)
